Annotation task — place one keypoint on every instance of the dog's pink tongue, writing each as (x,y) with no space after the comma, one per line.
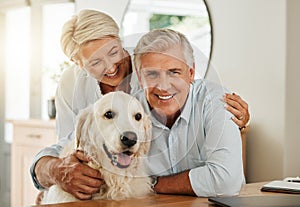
(124,159)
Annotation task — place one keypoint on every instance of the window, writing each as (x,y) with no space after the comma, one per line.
(54,16)
(17,66)
(17,52)
(189,17)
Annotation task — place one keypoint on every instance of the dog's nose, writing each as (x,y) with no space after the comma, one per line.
(128,139)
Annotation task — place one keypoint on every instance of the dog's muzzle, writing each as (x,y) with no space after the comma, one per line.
(120,160)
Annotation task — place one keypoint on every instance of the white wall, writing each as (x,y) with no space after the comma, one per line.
(292,138)
(115,8)
(4,147)
(256,57)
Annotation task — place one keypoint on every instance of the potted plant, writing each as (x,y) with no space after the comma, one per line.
(54,75)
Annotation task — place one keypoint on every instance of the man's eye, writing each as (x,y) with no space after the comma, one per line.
(151,75)
(138,116)
(109,115)
(174,72)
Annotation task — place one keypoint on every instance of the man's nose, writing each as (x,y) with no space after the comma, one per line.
(163,82)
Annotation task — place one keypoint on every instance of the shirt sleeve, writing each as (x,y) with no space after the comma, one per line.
(65,120)
(221,174)
(65,111)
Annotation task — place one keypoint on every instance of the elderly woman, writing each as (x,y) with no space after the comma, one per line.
(91,40)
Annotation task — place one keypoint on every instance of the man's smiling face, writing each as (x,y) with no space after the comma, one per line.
(166,80)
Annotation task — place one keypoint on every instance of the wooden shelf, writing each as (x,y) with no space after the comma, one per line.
(29,137)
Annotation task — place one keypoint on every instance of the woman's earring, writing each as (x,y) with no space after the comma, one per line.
(86,73)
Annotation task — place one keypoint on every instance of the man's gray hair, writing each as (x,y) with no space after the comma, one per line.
(88,25)
(160,41)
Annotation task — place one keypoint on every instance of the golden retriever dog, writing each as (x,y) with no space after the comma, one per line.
(115,133)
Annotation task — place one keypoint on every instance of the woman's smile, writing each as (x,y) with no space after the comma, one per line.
(112,74)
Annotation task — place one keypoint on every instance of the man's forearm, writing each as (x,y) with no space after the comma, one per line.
(44,170)
(175,184)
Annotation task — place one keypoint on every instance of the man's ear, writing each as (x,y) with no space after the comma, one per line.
(138,73)
(192,73)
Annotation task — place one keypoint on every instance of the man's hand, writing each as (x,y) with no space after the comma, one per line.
(70,174)
(76,178)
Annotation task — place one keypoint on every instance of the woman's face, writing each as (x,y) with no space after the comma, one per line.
(105,60)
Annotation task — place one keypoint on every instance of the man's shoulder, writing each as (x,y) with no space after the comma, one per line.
(208,88)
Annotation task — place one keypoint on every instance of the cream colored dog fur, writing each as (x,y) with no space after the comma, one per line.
(116,133)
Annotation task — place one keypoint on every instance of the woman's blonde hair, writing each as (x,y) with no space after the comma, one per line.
(88,25)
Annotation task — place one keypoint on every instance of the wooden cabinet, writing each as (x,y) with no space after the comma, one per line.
(29,138)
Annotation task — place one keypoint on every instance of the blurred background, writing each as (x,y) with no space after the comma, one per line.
(251,46)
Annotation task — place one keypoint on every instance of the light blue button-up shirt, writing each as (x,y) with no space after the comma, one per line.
(203,139)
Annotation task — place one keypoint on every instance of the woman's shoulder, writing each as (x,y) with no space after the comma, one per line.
(69,80)
(71,74)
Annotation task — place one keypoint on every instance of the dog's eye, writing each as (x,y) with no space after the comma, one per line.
(138,116)
(109,114)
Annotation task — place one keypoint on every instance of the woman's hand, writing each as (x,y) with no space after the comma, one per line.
(239,108)
(75,177)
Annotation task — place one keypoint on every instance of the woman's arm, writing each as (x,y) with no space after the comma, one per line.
(69,173)
(239,108)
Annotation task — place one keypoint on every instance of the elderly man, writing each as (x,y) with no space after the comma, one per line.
(196,148)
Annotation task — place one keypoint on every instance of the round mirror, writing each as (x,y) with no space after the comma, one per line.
(190,17)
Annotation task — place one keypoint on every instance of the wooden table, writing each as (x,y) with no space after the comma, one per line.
(164,200)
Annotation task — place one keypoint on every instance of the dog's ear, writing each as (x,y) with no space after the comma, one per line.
(148,128)
(148,135)
(83,120)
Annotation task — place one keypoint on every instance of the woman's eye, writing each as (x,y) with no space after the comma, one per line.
(138,116)
(113,53)
(109,115)
(95,63)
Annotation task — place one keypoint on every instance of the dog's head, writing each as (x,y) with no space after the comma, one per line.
(115,130)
